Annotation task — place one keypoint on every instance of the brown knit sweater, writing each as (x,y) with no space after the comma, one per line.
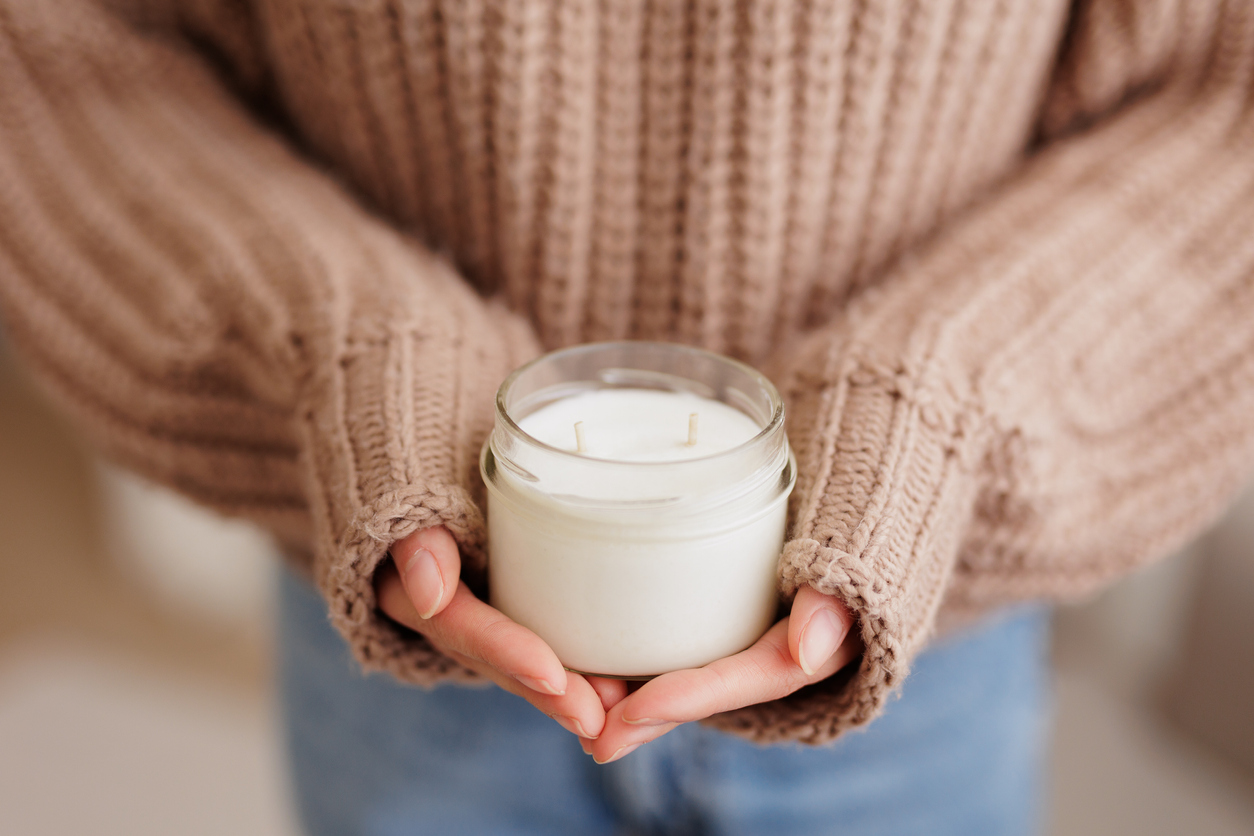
(999,256)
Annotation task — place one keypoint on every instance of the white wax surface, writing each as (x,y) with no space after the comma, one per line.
(640,425)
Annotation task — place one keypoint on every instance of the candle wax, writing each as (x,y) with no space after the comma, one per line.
(640,425)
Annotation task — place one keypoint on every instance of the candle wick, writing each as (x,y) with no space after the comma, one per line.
(580,445)
(692,430)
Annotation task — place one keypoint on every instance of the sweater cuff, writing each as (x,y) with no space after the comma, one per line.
(886,456)
(347,581)
(393,429)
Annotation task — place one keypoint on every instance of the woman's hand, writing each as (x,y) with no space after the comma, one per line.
(422,590)
(814,642)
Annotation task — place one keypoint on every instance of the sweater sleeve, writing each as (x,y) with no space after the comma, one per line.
(1059,386)
(219,315)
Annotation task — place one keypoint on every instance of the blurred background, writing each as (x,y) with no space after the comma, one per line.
(136,695)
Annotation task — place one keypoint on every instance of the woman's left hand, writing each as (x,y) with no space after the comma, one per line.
(814,642)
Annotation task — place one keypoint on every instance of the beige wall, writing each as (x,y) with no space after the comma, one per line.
(1211,689)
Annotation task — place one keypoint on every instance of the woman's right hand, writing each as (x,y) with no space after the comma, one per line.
(421,589)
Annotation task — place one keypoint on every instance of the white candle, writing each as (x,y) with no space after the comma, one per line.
(642,553)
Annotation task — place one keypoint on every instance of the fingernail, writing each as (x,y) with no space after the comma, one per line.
(623,751)
(586,745)
(572,725)
(541,685)
(423,582)
(819,640)
(645,721)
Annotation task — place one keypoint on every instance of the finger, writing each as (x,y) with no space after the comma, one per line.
(476,632)
(611,691)
(578,711)
(578,708)
(817,626)
(472,628)
(764,672)
(617,740)
(429,564)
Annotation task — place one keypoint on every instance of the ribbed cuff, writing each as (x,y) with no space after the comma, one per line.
(395,422)
(377,642)
(890,453)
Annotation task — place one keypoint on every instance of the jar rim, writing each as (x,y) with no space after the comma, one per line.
(771,427)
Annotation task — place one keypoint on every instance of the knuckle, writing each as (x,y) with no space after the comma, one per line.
(495,631)
(778,680)
(777,674)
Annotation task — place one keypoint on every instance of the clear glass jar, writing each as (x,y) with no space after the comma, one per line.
(630,568)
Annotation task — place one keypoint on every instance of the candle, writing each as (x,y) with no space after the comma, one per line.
(636,504)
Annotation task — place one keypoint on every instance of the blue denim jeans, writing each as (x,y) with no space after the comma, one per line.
(961,751)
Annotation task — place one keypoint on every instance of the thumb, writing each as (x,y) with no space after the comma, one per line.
(817,626)
(429,565)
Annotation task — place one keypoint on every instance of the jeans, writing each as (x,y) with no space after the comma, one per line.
(961,751)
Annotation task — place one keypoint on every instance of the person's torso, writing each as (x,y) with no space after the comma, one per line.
(717,173)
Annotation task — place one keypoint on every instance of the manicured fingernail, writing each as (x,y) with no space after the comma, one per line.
(623,751)
(572,725)
(541,685)
(819,640)
(645,721)
(423,582)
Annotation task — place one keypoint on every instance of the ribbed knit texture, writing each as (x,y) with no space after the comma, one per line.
(998,256)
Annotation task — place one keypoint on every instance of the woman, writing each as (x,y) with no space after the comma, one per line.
(279,253)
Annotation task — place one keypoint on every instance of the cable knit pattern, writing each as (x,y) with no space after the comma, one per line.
(997,256)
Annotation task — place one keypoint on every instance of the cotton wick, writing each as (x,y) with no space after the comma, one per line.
(580,445)
(692,430)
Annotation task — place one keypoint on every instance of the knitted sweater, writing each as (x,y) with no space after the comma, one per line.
(998,256)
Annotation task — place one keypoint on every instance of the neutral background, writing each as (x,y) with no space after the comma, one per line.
(136,695)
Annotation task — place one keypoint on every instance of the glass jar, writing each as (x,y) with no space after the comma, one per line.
(636,568)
